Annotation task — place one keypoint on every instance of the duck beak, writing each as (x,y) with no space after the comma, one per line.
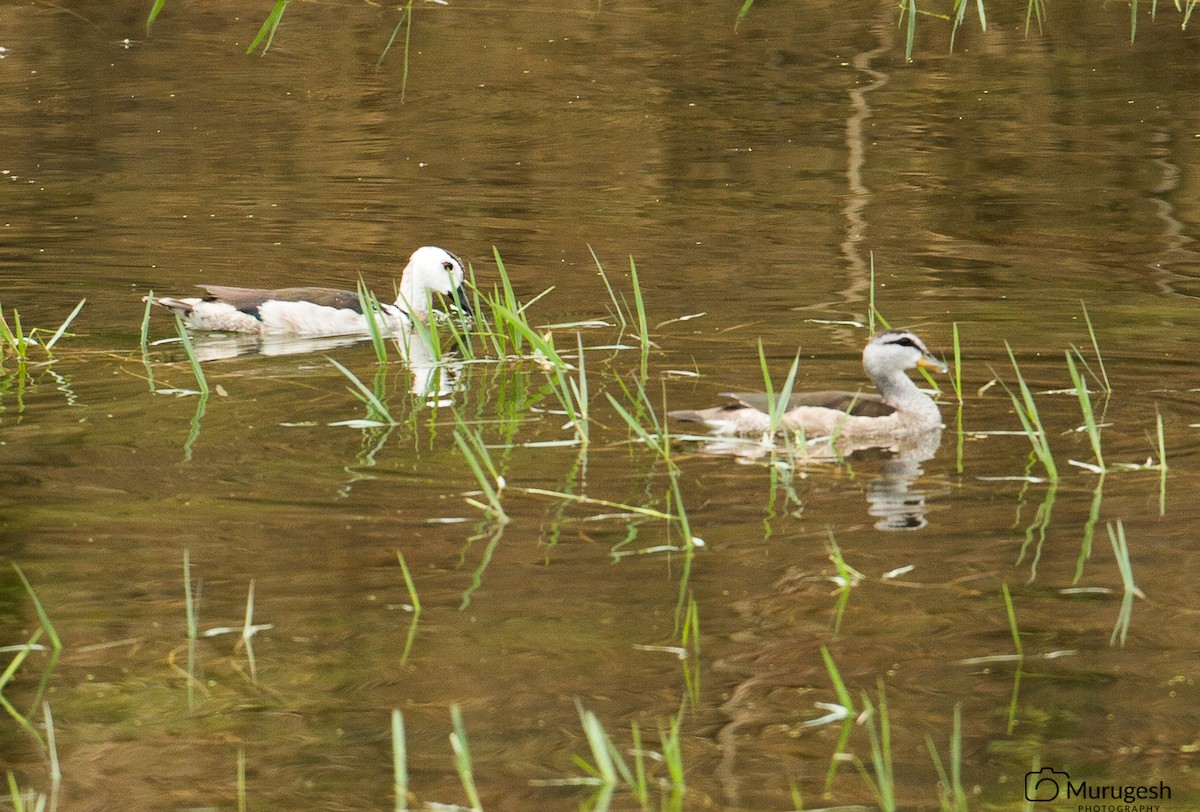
(931,363)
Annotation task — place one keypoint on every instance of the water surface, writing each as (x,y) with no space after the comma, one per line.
(754,176)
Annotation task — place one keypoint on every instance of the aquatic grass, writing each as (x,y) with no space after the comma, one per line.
(571,393)
(610,767)
(504,301)
(399,760)
(617,311)
(960,13)
(462,759)
(1089,529)
(415,602)
(688,651)
(368,303)
(846,579)
(624,314)
(643,333)
(479,459)
(671,744)
(1103,377)
(248,632)
(956,381)
(39,610)
(883,785)
(1027,412)
(952,795)
(14,337)
(777,406)
(1011,612)
(909,8)
(1035,10)
(186,340)
(493,530)
(610,770)
(9,672)
(1162,463)
(17,341)
(659,440)
(405,20)
(846,702)
(193,627)
(62,328)
(1120,545)
(153,15)
(268,28)
(45,627)
(1039,526)
(52,755)
(1085,407)
(377,410)
(592,500)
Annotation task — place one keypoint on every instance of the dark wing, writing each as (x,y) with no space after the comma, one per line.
(249,300)
(861,404)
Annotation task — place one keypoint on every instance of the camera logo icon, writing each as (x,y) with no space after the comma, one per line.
(1044,785)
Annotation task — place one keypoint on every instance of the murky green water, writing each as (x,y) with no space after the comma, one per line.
(752,176)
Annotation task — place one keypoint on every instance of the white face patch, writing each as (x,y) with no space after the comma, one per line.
(430,271)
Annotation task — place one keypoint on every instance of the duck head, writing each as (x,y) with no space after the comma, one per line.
(433,272)
(892,351)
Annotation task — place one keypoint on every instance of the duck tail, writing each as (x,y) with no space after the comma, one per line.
(178,305)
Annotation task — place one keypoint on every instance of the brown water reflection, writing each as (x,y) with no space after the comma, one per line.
(753,176)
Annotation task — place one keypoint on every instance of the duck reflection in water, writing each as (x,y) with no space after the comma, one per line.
(901,419)
(436,376)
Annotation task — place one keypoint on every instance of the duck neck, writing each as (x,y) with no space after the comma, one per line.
(410,299)
(899,390)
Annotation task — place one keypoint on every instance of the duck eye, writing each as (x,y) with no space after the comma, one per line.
(448,265)
(905,341)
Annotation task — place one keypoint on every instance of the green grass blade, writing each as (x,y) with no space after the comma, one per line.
(1096,348)
(62,328)
(186,340)
(1085,406)
(364,393)
(154,12)
(462,759)
(43,618)
(267,30)
(399,760)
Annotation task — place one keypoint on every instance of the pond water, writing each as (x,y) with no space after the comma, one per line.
(756,176)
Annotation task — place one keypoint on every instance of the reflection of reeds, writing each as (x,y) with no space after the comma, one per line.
(46,627)
(405,17)
(883,784)
(1031,421)
(377,410)
(399,762)
(1120,545)
(846,702)
(610,770)
(14,339)
(952,796)
(479,459)
(1020,652)
(462,759)
(656,436)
